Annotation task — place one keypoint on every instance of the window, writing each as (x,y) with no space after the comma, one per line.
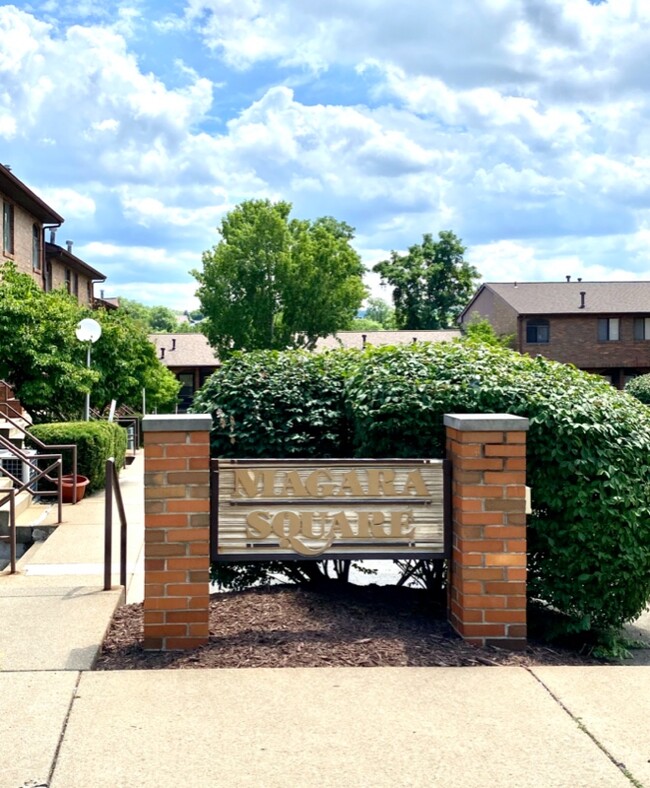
(7,228)
(36,247)
(89,291)
(75,284)
(537,332)
(68,280)
(48,276)
(608,329)
(642,327)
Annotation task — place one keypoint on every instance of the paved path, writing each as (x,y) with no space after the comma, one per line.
(64,726)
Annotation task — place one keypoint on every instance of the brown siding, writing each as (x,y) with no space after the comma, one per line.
(501,315)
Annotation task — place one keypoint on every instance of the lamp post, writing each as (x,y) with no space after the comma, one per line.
(88,330)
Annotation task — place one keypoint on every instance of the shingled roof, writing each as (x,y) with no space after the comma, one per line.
(355,339)
(184,350)
(562,298)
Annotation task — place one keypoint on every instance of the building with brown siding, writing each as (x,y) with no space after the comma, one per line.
(25,221)
(601,327)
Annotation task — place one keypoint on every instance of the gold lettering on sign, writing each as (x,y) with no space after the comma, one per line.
(332,506)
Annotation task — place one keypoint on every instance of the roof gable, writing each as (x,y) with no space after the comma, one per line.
(565,298)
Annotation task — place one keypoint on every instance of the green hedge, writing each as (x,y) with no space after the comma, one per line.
(96,441)
(639,387)
(588,447)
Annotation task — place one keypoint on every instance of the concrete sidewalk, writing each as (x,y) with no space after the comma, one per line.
(448,727)
(54,612)
(64,726)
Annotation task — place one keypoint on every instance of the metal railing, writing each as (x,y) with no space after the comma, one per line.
(11,537)
(20,485)
(113,489)
(41,445)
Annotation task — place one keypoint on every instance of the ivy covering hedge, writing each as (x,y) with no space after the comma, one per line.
(96,441)
(588,447)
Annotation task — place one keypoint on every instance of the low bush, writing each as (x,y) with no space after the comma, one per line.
(588,448)
(639,388)
(96,441)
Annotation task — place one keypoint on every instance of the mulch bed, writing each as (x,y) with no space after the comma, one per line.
(337,626)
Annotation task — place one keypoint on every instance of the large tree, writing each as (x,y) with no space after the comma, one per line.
(42,359)
(432,282)
(274,282)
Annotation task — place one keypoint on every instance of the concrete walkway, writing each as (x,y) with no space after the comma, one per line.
(64,726)
(54,612)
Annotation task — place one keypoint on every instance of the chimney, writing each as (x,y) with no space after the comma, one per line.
(69,245)
(174,344)
(162,353)
(364,339)
(101,294)
(568,277)
(579,279)
(52,235)
(582,299)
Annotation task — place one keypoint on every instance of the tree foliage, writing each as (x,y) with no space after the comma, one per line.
(156,319)
(587,448)
(275,282)
(432,282)
(41,357)
(382,312)
(39,353)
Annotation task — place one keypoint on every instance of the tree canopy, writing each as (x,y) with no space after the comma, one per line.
(156,319)
(42,359)
(432,282)
(274,282)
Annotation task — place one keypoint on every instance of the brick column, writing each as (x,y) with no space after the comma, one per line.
(176,538)
(487,587)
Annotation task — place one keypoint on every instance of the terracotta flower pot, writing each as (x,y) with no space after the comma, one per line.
(68,484)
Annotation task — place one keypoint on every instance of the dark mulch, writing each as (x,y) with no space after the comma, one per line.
(338,626)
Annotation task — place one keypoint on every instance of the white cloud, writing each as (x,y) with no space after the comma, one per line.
(71,204)
(522,125)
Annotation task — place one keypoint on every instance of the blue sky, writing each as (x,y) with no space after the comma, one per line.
(521,125)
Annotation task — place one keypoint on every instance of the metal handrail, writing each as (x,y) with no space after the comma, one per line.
(113,487)
(40,474)
(38,442)
(12,532)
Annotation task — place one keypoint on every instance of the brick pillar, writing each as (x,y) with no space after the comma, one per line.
(176,539)
(487,588)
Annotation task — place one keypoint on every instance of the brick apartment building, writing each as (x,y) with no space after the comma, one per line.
(25,221)
(601,327)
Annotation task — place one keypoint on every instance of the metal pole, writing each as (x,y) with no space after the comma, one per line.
(87,412)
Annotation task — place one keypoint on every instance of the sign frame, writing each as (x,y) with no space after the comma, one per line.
(216,557)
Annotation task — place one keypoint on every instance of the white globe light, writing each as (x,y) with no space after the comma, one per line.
(88,330)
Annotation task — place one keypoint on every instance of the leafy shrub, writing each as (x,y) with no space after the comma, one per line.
(96,441)
(272,404)
(639,387)
(587,453)
(587,461)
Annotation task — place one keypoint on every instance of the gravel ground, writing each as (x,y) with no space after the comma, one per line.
(336,626)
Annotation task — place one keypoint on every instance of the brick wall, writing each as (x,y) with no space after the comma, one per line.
(574,340)
(176,551)
(22,256)
(487,588)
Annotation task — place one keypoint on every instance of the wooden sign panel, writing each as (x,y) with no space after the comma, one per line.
(307,509)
